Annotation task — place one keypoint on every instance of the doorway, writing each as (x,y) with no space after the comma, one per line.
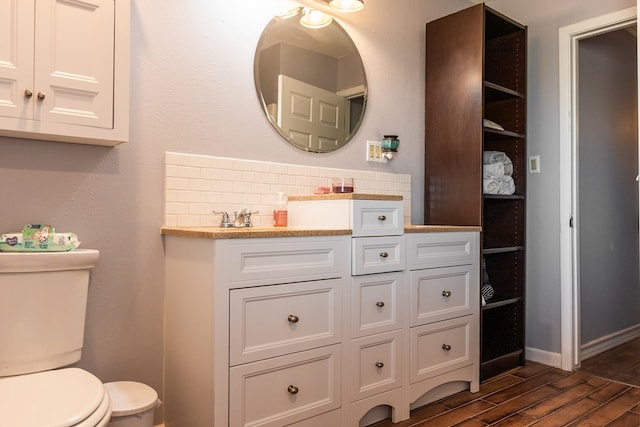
(607,192)
(599,249)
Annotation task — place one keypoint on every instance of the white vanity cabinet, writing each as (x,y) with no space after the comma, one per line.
(64,70)
(378,317)
(254,331)
(321,330)
(443,271)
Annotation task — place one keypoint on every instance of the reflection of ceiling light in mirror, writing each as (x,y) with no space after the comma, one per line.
(289,13)
(313,18)
(347,5)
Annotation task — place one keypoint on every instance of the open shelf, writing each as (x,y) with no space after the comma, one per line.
(503,133)
(494,92)
(502,250)
(497,304)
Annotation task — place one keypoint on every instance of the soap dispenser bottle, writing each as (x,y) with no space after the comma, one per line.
(280,211)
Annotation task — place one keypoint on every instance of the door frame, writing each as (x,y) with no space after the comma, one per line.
(569,37)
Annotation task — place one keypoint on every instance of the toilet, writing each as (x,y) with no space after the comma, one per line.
(43,298)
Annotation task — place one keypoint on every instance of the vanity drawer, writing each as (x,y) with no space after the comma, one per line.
(442,347)
(377,255)
(284,390)
(376,364)
(377,218)
(427,250)
(248,262)
(270,321)
(442,293)
(374,303)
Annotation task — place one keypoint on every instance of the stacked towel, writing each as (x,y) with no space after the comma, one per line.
(489,157)
(496,173)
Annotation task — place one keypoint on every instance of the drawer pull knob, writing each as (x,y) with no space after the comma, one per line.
(382,218)
(380,304)
(446,294)
(293,318)
(28,93)
(384,255)
(379,364)
(41,96)
(292,389)
(446,347)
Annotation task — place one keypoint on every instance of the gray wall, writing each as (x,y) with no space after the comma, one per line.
(608,192)
(192,91)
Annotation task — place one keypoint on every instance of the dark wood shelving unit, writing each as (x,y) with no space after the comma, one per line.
(475,70)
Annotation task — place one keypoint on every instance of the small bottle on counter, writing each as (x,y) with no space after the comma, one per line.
(280,211)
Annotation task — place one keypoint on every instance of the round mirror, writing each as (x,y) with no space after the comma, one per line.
(311,82)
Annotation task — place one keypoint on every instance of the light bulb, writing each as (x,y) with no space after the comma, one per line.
(313,18)
(347,5)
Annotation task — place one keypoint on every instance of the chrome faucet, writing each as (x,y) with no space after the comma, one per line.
(243,218)
(225,222)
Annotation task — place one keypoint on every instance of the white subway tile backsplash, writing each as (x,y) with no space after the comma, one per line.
(176,208)
(188,172)
(197,185)
(173,183)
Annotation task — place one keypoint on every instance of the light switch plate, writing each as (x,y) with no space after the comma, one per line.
(534,164)
(374,152)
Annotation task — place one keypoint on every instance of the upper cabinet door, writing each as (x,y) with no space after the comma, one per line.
(74,51)
(64,70)
(16,58)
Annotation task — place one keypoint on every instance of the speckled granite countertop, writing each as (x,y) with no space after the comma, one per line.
(263,232)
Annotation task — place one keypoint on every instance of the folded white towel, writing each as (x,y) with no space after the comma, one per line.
(493,170)
(490,185)
(491,124)
(504,185)
(489,157)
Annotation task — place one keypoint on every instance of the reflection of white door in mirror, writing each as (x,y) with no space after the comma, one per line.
(313,117)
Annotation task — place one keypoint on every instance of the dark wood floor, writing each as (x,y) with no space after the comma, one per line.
(621,363)
(535,395)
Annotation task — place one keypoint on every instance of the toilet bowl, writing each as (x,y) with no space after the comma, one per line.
(69,397)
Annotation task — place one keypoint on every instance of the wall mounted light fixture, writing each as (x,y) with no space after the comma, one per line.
(313,18)
(347,5)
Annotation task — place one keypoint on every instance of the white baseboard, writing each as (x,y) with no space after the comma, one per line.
(607,342)
(542,356)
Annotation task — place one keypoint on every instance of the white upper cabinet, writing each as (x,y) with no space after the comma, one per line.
(64,70)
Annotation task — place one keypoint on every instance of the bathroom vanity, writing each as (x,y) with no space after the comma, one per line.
(318,326)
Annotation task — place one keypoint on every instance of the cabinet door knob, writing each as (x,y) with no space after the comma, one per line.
(41,96)
(446,294)
(293,318)
(380,304)
(382,218)
(379,364)
(28,93)
(384,255)
(292,389)
(446,347)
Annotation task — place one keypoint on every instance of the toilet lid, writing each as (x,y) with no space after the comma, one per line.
(58,398)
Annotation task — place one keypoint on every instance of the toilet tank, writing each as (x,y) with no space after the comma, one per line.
(43,300)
